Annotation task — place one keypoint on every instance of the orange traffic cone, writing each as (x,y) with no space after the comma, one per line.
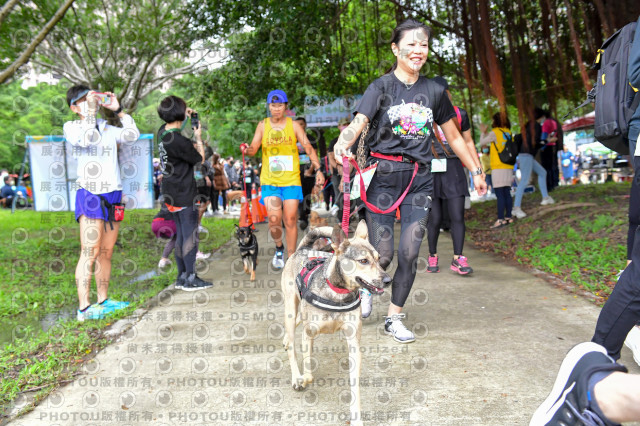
(256,213)
(245,214)
(261,207)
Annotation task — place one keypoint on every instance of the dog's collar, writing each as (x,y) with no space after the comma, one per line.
(303,279)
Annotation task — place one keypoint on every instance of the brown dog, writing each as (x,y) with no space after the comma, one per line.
(324,296)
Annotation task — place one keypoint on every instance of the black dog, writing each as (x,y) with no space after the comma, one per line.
(248,245)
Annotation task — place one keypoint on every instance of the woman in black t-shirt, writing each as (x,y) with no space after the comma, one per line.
(178,156)
(402,107)
(450,187)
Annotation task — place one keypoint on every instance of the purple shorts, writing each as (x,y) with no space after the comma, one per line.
(163,228)
(89,205)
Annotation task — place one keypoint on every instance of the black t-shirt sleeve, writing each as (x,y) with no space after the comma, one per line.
(443,111)
(189,153)
(370,101)
(466,124)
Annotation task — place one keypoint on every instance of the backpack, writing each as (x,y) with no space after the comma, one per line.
(509,152)
(614,97)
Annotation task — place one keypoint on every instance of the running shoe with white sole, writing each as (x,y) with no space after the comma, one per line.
(182,278)
(94,312)
(633,343)
(517,212)
(461,266)
(547,200)
(568,403)
(278,259)
(195,283)
(393,325)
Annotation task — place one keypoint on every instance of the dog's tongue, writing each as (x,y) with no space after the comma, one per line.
(376,290)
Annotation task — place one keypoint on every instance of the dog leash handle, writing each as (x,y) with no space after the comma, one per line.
(346,190)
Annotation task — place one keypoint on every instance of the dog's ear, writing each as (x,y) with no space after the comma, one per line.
(337,237)
(362,231)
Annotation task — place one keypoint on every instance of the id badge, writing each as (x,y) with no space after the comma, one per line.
(367,175)
(281,163)
(439,165)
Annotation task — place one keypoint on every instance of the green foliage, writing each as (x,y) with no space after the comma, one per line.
(38,110)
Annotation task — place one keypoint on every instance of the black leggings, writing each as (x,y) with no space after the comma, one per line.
(186,239)
(455,208)
(413,227)
(505,202)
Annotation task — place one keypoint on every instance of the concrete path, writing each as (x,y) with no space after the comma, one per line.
(488,349)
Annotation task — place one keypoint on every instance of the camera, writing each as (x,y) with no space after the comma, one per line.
(103,98)
(195,122)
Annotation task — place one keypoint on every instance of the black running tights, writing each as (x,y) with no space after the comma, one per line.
(455,208)
(186,239)
(413,227)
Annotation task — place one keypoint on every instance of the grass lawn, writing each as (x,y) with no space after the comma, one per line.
(581,239)
(38,292)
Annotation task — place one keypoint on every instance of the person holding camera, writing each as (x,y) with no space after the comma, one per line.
(98,199)
(178,156)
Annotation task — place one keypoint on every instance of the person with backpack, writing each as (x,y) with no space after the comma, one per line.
(621,313)
(449,191)
(499,140)
(402,107)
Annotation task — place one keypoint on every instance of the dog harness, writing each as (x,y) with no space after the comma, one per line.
(304,277)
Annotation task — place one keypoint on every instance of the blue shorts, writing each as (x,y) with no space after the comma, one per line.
(89,205)
(293,192)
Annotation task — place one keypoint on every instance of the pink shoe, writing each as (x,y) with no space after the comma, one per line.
(433,264)
(461,266)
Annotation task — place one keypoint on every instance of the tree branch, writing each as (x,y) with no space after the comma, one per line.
(6,9)
(11,70)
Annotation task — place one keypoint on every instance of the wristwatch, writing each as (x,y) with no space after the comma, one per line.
(477,172)
(119,110)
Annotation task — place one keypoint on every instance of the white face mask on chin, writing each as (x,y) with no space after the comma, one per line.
(84,108)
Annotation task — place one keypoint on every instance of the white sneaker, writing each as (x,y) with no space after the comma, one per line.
(278,260)
(547,200)
(393,325)
(334,210)
(517,212)
(366,302)
(201,256)
(164,262)
(202,229)
(633,343)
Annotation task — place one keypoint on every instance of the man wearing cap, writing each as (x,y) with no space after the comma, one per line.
(280,177)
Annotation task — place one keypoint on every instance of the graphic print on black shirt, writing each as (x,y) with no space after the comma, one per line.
(406,127)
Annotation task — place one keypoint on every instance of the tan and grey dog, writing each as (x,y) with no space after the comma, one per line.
(323,295)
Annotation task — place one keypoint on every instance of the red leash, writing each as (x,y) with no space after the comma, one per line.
(363,192)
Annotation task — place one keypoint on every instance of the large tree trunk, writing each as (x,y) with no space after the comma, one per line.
(494,70)
(604,17)
(576,47)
